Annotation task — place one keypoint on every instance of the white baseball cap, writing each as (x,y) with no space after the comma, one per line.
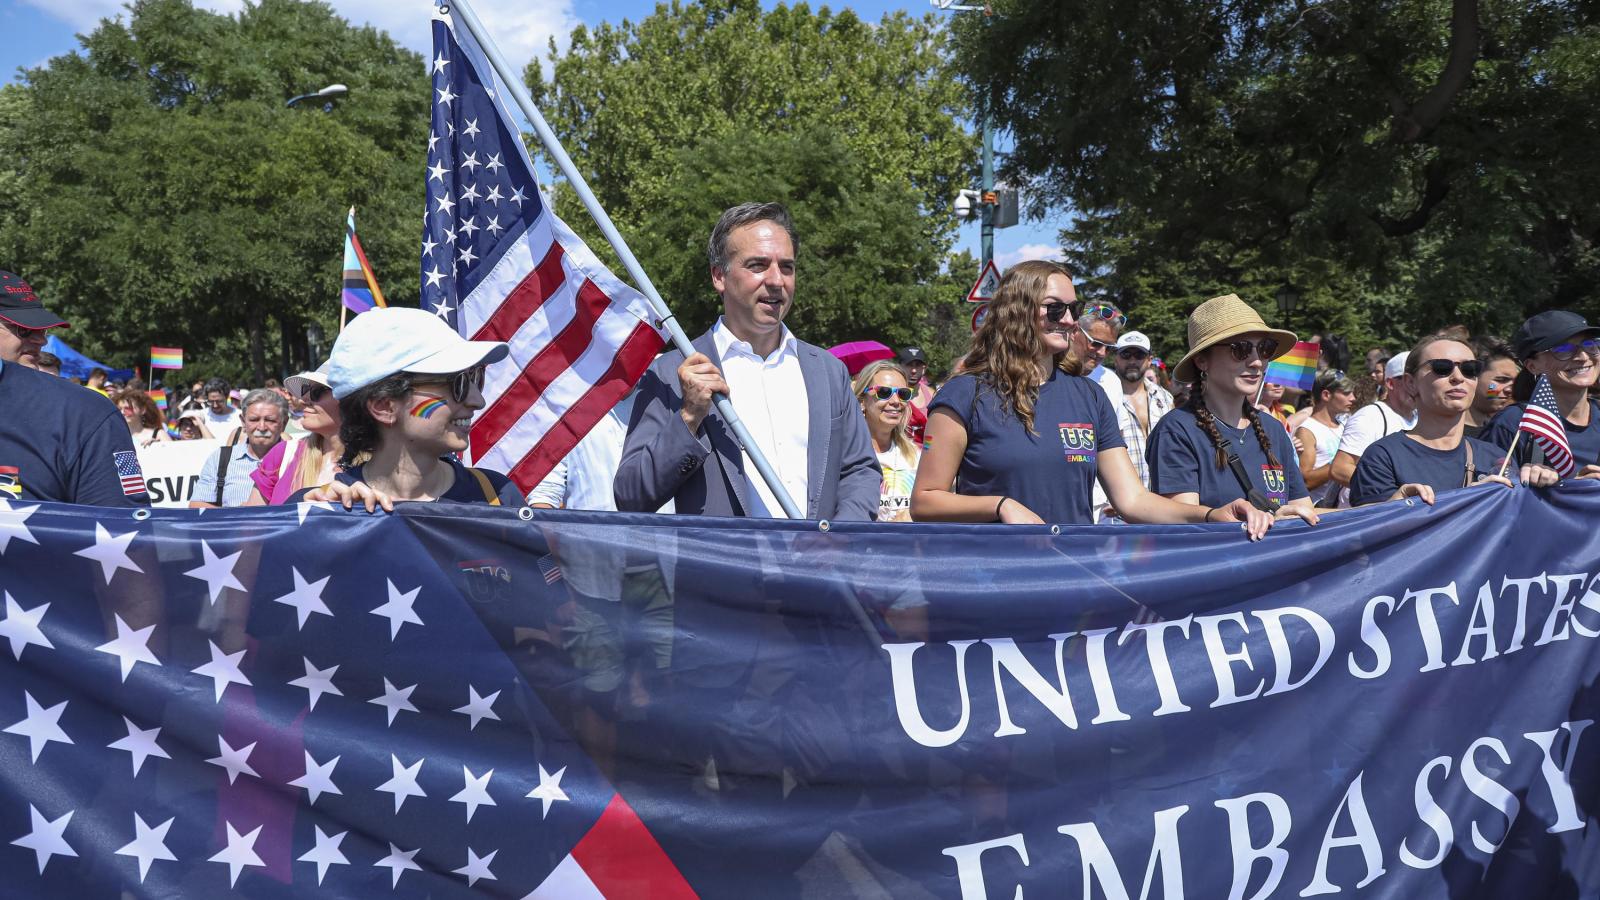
(1134,339)
(1396,366)
(380,342)
(298,384)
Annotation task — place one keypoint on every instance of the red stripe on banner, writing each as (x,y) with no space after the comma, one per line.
(526,298)
(632,358)
(623,859)
(553,359)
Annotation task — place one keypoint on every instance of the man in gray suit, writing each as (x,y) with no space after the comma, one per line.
(795,398)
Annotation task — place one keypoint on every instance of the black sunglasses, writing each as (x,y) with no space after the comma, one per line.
(883,392)
(461,383)
(1055,310)
(1441,368)
(1132,353)
(1266,348)
(314,393)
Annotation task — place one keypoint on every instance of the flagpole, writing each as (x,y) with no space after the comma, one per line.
(1510,452)
(680,340)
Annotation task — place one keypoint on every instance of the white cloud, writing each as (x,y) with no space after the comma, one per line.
(1027,251)
(521,28)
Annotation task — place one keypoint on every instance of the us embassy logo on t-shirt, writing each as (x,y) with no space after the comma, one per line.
(1077,441)
(1272,477)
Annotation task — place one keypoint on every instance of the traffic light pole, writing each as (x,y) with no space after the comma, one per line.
(987,209)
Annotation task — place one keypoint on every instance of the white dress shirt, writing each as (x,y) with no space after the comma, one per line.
(769,394)
(582,480)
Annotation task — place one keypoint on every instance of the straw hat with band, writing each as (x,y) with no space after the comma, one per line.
(1221,319)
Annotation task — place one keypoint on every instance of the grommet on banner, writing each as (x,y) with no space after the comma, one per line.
(139,515)
(525,513)
(1055,529)
(823,525)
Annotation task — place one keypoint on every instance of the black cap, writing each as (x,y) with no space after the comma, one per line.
(1549,329)
(19,305)
(913,354)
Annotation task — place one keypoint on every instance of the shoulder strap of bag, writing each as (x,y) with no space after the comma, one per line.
(489,495)
(222,463)
(1236,466)
(1471,473)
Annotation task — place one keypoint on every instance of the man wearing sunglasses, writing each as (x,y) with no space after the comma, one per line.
(794,397)
(1565,348)
(62,443)
(1096,340)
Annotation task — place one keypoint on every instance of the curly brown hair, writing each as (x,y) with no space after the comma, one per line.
(1005,350)
(149,414)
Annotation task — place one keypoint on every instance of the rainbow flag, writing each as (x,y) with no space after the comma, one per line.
(1297,368)
(361,291)
(166,357)
(159,395)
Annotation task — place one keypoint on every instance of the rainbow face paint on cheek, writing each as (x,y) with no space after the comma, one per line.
(427,408)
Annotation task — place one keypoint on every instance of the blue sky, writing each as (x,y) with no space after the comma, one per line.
(39,29)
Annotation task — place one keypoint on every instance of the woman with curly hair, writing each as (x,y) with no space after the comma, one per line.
(1218,448)
(145,422)
(1019,437)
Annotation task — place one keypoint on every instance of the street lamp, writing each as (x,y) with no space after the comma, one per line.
(1288,302)
(314,339)
(327,94)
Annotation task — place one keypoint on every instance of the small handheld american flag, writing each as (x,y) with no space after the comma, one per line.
(1543,425)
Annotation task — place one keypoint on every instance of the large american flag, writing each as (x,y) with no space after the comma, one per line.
(232,705)
(1542,423)
(498,265)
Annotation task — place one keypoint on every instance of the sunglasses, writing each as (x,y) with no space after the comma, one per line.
(314,393)
(882,392)
(1100,311)
(25,333)
(1563,352)
(1266,348)
(461,383)
(1132,353)
(1055,310)
(1441,368)
(1102,346)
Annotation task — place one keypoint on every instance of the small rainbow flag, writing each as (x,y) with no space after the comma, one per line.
(159,395)
(1297,368)
(361,291)
(166,357)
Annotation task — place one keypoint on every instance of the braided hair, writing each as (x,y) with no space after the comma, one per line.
(1208,424)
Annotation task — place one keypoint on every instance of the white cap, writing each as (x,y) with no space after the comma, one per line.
(380,342)
(298,384)
(1396,366)
(1134,339)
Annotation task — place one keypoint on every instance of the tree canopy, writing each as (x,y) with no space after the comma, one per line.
(855,126)
(162,193)
(1405,163)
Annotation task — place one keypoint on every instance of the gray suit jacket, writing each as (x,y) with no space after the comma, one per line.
(705,475)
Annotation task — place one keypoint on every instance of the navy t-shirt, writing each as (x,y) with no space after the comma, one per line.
(63,442)
(1051,472)
(465,489)
(1182,460)
(1585,441)
(1397,459)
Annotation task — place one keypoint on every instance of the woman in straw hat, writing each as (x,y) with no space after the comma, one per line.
(1021,437)
(1217,449)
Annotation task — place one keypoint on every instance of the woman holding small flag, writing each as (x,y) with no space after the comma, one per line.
(1435,456)
(1564,349)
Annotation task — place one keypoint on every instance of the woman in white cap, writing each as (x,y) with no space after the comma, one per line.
(1217,449)
(298,463)
(1017,438)
(407,387)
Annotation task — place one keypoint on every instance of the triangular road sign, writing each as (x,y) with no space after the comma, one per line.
(988,283)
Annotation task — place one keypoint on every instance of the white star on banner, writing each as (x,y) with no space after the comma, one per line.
(140,744)
(318,779)
(14,523)
(395,700)
(317,682)
(403,784)
(479,708)
(326,853)
(398,608)
(306,598)
(217,572)
(110,551)
(549,790)
(41,725)
(148,845)
(45,838)
(397,863)
(21,627)
(477,867)
(304,508)
(223,669)
(474,791)
(240,852)
(234,761)
(131,647)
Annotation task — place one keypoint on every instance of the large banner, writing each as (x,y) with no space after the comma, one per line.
(462,701)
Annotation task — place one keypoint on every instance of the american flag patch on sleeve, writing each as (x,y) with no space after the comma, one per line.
(128,470)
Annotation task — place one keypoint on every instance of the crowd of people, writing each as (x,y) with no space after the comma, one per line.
(1058,413)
